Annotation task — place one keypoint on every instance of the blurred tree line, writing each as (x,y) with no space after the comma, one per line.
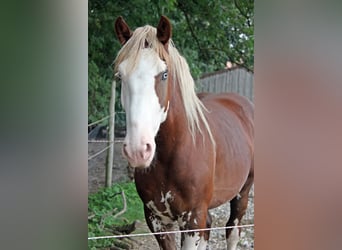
(207,33)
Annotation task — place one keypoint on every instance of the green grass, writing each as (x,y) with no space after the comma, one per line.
(102,207)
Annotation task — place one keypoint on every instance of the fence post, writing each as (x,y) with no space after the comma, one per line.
(110,154)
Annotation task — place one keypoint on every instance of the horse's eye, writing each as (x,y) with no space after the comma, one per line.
(164,76)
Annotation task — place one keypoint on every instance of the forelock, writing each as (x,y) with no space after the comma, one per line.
(131,51)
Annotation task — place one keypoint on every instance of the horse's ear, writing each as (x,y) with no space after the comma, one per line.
(122,30)
(164,30)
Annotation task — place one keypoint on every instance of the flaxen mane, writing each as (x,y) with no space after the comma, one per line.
(147,37)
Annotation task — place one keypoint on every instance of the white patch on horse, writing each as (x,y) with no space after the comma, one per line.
(238,197)
(233,238)
(191,242)
(203,244)
(166,215)
(181,221)
(167,196)
(195,221)
(189,216)
(156,224)
(165,219)
(165,112)
(167,199)
(184,219)
(141,83)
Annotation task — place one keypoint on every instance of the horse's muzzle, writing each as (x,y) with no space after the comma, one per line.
(139,156)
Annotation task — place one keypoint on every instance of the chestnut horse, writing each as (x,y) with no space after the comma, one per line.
(190,152)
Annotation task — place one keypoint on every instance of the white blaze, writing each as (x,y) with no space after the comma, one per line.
(140,101)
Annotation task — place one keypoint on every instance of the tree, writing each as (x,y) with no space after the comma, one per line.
(207,33)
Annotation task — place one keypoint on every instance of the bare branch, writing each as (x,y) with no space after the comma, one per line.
(125,205)
(104,216)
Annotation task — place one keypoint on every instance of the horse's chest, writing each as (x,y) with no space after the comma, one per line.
(165,212)
(161,208)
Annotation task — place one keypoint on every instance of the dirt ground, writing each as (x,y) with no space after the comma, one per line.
(96,180)
(96,166)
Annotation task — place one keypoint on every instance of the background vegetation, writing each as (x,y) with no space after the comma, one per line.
(104,205)
(207,33)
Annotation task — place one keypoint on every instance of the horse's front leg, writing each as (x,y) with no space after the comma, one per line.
(155,223)
(197,240)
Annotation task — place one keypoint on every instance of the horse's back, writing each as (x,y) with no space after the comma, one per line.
(231,120)
(234,104)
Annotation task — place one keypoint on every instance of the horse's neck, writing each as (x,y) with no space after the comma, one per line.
(173,129)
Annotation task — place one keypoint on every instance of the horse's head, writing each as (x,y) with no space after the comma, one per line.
(142,66)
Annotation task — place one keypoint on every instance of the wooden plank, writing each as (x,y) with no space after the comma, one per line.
(238,80)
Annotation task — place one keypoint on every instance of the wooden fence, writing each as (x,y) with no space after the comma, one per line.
(238,80)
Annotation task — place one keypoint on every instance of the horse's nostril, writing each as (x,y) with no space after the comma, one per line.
(148,147)
(146,152)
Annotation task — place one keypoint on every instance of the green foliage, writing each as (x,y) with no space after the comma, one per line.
(207,33)
(99,88)
(103,205)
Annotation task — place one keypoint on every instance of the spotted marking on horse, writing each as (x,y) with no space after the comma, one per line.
(164,217)
(191,241)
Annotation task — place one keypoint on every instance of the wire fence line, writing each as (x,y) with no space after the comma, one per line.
(98,121)
(100,141)
(105,148)
(105,118)
(167,232)
(103,141)
(99,152)
(106,141)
